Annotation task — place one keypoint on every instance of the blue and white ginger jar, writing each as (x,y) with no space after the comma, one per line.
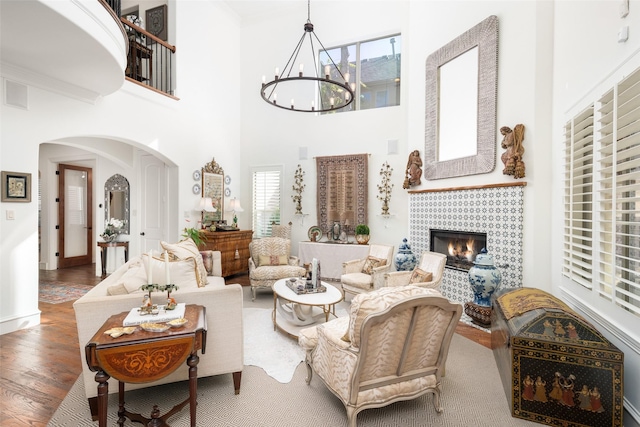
(405,259)
(484,278)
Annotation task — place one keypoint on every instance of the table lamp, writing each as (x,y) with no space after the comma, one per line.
(234,206)
(206,205)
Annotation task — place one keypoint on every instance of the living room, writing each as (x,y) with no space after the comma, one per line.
(544,79)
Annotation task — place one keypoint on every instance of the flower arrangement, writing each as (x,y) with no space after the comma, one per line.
(385,187)
(298,187)
(112,228)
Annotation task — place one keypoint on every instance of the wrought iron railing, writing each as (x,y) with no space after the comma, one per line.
(149,60)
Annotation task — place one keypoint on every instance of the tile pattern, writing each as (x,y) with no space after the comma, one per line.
(497,211)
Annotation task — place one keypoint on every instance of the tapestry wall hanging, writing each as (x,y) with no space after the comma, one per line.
(342,190)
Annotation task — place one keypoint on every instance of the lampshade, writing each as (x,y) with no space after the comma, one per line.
(207,205)
(332,87)
(234,206)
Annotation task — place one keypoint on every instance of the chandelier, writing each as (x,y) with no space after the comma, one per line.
(333,84)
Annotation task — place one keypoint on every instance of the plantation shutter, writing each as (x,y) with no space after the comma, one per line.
(619,176)
(578,199)
(267,190)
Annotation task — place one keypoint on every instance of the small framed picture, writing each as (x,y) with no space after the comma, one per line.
(16,187)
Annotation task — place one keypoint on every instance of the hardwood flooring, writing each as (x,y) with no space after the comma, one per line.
(39,365)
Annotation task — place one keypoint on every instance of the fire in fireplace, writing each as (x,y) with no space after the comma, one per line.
(460,247)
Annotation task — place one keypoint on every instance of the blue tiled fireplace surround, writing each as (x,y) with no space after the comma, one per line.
(496,210)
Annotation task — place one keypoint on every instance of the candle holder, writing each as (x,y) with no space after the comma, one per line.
(168,288)
(147,306)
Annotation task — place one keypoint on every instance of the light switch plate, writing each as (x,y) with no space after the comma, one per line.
(11,214)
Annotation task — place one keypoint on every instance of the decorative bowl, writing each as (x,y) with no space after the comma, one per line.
(154,327)
(177,323)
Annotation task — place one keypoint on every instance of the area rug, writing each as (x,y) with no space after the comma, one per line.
(472,395)
(273,351)
(56,294)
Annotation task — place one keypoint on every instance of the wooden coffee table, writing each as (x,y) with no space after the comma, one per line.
(297,311)
(144,357)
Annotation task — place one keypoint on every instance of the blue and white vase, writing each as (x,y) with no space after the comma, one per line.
(405,259)
(484,278)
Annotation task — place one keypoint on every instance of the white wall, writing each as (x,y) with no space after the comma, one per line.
(186,134)
(588,60)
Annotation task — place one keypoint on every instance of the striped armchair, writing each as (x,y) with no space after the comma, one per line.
(270,261)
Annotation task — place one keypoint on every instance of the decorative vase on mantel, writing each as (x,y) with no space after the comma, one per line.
(484,279)
(405,259)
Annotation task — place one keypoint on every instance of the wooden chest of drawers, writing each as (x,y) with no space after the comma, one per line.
(556,368)
(233,247)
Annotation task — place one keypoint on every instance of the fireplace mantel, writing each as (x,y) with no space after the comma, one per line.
(471,187)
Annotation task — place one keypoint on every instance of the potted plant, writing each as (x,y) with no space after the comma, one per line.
(196,235)
(362,234)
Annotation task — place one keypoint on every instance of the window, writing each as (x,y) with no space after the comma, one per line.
(374,66)
(602,191)
(267,191)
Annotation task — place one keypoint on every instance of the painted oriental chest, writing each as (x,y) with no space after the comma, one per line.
(556,368)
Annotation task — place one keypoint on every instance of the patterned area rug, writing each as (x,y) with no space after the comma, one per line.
(56,294)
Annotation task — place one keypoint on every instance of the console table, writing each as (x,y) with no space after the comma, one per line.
(233,247)
(331,256)
(123,359)
(104,246)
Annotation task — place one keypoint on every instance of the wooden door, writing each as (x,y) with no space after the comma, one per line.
(75,216)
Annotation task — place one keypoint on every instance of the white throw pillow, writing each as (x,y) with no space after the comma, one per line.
(133,278)
(183,273)
(188,249)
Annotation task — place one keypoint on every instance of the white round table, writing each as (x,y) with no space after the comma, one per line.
(292,311)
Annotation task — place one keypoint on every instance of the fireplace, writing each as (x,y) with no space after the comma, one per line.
(460,247)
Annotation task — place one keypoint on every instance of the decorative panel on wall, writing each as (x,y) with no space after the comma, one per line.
(496,210)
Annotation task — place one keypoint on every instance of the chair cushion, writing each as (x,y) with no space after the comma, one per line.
(357,280)
(187,249)
(308,337)
(365,304)
(372,262)
(275,272)
(273,260)
(420,276)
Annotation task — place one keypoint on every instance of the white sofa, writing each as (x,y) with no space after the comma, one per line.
(224,349)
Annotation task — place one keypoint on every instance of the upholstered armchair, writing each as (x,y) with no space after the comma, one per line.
(271,261)
(427,273)
(365,275)
(412,325)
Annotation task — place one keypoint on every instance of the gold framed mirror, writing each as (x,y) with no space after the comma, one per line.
(213,187)
(461,93)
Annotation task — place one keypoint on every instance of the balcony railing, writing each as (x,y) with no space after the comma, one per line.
(150,60)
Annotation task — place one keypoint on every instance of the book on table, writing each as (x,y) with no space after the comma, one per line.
(135,317)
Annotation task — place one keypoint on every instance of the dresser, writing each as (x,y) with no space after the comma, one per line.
(228,242)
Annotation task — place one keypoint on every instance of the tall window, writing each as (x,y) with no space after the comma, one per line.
(267,191)
(374,66)
(602,195)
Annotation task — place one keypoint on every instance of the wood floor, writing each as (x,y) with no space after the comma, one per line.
(39,365)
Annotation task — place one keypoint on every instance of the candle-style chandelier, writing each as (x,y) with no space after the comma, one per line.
(333,89)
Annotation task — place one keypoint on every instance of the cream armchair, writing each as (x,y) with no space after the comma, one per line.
(413,325)
(365,275)
(271,261)
(284,230)
(427,273)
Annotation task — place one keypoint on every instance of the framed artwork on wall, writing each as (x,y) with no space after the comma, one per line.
(16,187)
(156,21)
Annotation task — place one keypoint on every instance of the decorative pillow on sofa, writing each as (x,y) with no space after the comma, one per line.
(372,262)
(187,249)
(208,259)
(183,272)
(272,260)
(134,277)
(420,276)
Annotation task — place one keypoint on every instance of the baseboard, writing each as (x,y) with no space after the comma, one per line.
(17,323)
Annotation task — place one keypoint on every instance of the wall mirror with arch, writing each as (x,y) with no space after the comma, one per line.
(116,201)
